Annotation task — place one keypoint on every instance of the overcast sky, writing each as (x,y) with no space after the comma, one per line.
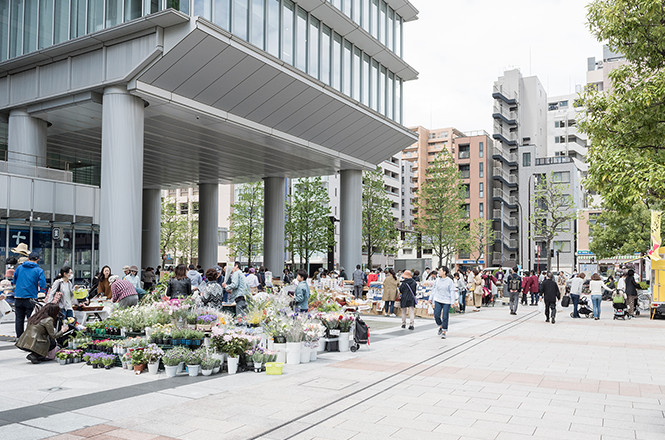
(460,47)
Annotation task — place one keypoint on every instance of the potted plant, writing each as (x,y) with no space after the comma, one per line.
(158,337)
(256,355)
(217,366)
(86,358)
(234,345)
(62,357)
(193,363)
(96,360)
(153,354)
(108,361)
(294,336)
(171,360)
(205,322)
(138,361)
(207,366)
(197,337)
(345,322)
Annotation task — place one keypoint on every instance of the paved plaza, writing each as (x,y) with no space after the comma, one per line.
(496,377)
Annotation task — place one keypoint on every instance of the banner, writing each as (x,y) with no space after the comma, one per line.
(655,235)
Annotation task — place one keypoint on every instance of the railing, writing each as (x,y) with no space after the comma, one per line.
(506,155)
(510,221)
(476,133)
(508,97)
(510,178)
(511,200)
(553,160)
(505,110)
(35,166)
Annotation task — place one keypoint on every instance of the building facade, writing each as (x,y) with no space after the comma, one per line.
(144,95)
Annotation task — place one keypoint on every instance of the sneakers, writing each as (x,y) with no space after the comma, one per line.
(393,315)
(403,325)
(443,335)
(440,331)
(410,327)
(547,320)
(552,320)
(33,358)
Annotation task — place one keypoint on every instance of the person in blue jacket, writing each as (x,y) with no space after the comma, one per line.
(28,279)
(301,297)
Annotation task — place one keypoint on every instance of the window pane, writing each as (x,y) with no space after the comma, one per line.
(382,91)
(301,40)
(95,16)
(398,35)
(373,85)
(83,256)
(325,54)
(113,12)
(356,10)
(179,5)
(365,80)
(365,15)
(222,16)
(373,17)
(240,18)
(61,21)
(347,8)
(4,39)
(3,228)
(203,8)
(356,74)
(30,27)
(389,95)
(480,170)
(63,249)
(398,99)
(155,5)
(313,55)
(16,29)
(336,64)
(41,243)
(337,4)
(272,40)
(287,31)
(257,22)
(133,9)
(390,28)
(346,80)
(382,23)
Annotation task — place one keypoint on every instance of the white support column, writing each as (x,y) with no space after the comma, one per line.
(350,236)
(26,140)
(273,224)
(151,255)
(122,179)
(208,224)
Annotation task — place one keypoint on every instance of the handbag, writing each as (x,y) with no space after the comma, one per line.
(565,301)
(57,296)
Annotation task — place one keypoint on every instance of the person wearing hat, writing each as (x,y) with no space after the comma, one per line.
(252,280)
(28,279)
(134,278)
(125,270)
(123,292)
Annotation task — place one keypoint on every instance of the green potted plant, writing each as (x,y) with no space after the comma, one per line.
(62,357)
(138,361)
(108,361)
(217,365)
(207,366)
(193,363)
(171,360)
(153,354)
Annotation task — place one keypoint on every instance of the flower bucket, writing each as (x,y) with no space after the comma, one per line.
(313,354)
(344,341)
(62,361)
(153,368)
(274,368)
(206,372)
(293,353)
(304,354)
(281,352)
(233,364)
(322,346)
(193,370)
(171,371)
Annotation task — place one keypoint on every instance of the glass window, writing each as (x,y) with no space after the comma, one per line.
(62,250)
(346,7)
(382,22)
(526,159)
(389,95)
(481,190)
(222,13)
(30,27)
(325,53)
(465,171)
(287,31)
(16,29)
(481,210)
(390,28)
(365,80)
(133,9)
(301,39)
(180,5)
(398,35)
(481,171)
(467,210)
(202,8)
(41,243)
(61,21)
(256,23)
(313,50)
(356,74)
(365,15)
(373,17)
(240,18)
(346,80)
(4,38)
(356,10)
(481,149)
(398,99)
(337,4)
(82,256)
(561,177)
(272,40)
(373,85)
(3,228)
(95,16)
(382,90)
(336,64)
(113,12)
(464,152)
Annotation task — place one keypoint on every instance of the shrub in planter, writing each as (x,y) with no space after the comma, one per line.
(138,361)
(108,361)
(171,360)
(207,365)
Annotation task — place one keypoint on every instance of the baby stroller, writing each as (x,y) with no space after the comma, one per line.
(583,308)
(360,333)
(619,304)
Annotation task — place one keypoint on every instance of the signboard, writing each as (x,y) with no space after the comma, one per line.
(56,233)
(470,262)
(584,253)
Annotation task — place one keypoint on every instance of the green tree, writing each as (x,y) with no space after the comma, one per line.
(441,221)
(172,228)
(481,235)
(246,230)
(622,233)
(626,125)
(307,225)
(379,231)
(553,210)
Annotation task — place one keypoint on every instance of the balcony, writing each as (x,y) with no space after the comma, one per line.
(511,201)
(553,160)
(506,177)
(499,135)
(505,156)
(504,114)
(510,222)
(507,97)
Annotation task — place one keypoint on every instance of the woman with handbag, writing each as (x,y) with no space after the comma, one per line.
(407,301)
(62,292)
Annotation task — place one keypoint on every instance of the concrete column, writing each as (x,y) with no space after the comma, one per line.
(273,224)
(208,224)
(26,140)
(151,255)
(122,179)
(350,215)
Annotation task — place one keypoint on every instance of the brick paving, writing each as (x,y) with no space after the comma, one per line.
(577,379)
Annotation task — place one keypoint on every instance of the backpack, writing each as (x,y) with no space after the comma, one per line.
(515,284)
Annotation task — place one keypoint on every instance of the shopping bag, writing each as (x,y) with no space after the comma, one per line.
(541,306)
(4,308)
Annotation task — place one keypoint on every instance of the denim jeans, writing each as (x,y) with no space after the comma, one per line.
(534,298)
(595,300)
(389,307)
(576,300)
(514,300)
(23,309)
(441,314)
(462,300)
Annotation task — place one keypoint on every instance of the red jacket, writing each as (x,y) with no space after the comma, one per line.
(534,283)
(526,284)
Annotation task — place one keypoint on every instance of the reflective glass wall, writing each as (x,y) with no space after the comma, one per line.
(280,27)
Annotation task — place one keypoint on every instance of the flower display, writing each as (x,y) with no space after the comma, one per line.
(152,353)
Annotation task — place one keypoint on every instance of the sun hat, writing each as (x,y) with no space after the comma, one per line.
(133,269)
(22,249)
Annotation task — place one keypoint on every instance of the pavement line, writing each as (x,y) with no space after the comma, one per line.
(509,325)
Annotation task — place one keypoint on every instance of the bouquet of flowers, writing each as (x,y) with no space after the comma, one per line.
(313,331)
(345,322)
(152,353)
(330,320)
(207,319)
(234,343)
(294,332)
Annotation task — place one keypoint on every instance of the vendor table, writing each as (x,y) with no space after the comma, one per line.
(83,316)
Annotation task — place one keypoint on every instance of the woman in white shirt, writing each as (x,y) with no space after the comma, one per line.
(596,287)
(443,295)
(252,281)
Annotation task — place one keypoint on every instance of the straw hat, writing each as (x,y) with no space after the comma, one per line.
(133,269)
(22,249)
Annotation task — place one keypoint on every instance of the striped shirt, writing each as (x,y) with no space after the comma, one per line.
(122,289)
